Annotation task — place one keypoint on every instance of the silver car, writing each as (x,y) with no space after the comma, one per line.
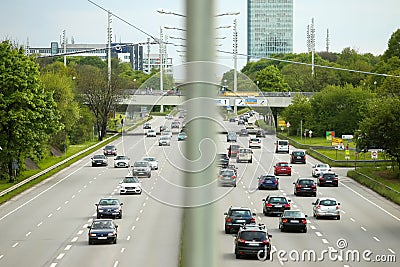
(326,207)
(164,140)
(319,168)
(141,169)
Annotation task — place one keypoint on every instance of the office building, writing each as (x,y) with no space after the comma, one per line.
(269,28)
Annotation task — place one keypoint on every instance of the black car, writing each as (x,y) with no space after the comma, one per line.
(147,126)
(275,205)
(244,132)
(236,217)
(233,150)
(298,156)
(253,240)
(109,207)
(328,179)
(260,134)
(102,231)
(293,220)
(268,181)
(99,160)
(223,160)
(305,186)
(110,150)
(232,120)
(163,128)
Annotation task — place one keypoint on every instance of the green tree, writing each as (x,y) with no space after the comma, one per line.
(270,80)
(339,109)
(298,113)
(28,114)
(381,128)
(393,46)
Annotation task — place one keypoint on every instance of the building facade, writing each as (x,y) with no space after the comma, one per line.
(125,52)
(269,28)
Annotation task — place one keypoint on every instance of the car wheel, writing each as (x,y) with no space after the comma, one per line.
(98,216)
(115,241)
(251,161)
(265,214)
(338,217)
(314,195)
(282,230)
(305,230)
(237,256)
(227,231)
(90,242)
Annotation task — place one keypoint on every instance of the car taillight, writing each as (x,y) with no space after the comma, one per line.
(337,207)
(321,178)
(335,179)
(268,205)
(240,240)
(284,220)
(253,220)
(275,181)
(220,176)
(228,219)
(233,176)
(313,186)
(298,186)
(287,205)
(265,241)
(318,207)
(304,221)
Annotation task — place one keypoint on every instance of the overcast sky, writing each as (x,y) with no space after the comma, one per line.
(365,25)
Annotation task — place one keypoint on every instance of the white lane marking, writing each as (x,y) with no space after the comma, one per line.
(115,264)
(313,227)
(39,224)
(318,233)
(84,186)
(122,250)
(16,244)
(325,241)
(80,232)
(373,203)
(376,239)
(133,228)
(137,218)
(251,203)
(284,194)
(147,198)
(85,225)
(342,211)
(94,178)
(308,221)
(244,187)
(144,204)
(74,239)
(128,238)
(68,247)
(59,257)
(1,256)
(54,264)
(58,208)
(363,229)
(248,196)
(28,233)
(140,211)
(259,218)
(391,251)
(80,190)
(66,202)
(90,220)
(51,214)
(38,195)
(351,219)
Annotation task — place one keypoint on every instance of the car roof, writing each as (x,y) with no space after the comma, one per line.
(239,208)
(327,198)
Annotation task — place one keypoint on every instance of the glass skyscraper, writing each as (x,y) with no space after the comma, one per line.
(269,28)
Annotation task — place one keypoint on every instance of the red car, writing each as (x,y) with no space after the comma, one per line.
(281,168)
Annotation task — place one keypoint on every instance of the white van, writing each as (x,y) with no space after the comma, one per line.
(282,146)
(244,154)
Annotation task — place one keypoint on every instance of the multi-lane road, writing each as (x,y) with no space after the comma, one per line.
(47,225)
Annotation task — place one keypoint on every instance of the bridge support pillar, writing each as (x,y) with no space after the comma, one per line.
(162,108)
(235,109)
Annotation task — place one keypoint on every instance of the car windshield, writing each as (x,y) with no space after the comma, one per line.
(298,153)
(306,182)
(278,200)
(244,150)
(121,157)
(110,147)
(254,139)
(149,159)
(292,213)
(329,176)
(108,202)
(327,202)
(253,235)
(140,164)
(283,143)
(98,157)
(323,166)
(164,137)
(102,225)
(241,213)
(268,178)
(129,180)
(227,173)
(282,164)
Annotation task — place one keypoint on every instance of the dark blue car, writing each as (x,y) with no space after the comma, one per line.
(268,181)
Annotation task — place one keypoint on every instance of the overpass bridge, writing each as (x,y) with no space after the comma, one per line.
(240,99)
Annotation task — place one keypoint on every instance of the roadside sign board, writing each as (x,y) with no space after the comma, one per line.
(374,154)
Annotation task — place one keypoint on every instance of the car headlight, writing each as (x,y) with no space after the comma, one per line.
(92,234)
(112,234)
(100,210)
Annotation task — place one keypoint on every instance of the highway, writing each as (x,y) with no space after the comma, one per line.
(47,225)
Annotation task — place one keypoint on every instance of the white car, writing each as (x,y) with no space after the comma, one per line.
(164,140)
(326,207)
(121,161)
(151,133)
(167,133)
(153,162)
(169,117)
(319,168)
(254,142)
(130,185)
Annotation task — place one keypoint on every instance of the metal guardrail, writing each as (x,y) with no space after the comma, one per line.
(377,182)
(33,177)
